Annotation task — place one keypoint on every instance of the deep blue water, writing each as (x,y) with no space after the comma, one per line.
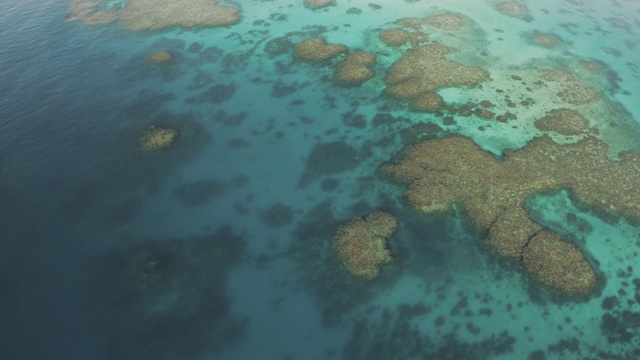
(219,247)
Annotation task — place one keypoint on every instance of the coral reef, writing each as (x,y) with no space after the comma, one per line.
(441,172)
(573,91)
(563,121)
(157,138)
(156,14)
(592,66)
(514,9)
(160,57)
(427,102)
(318,4)
(361,243)
(316,50)
(425,69)
(444,21)
(558,263)
(394,37)
(355,69)
(546,40)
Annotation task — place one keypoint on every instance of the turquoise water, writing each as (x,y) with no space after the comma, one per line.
(219,247)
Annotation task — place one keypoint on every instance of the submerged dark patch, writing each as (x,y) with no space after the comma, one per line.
(278,215)
(199,193)
(165,299)
(326,159)
(216,94)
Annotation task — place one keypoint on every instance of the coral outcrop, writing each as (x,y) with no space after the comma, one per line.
(361,243)
(160,57)
(157,138)
(355,69)
(316,50)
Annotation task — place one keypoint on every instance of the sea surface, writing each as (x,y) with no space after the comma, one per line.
(219,246)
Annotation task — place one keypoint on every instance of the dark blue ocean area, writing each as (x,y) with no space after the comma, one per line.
(320,179)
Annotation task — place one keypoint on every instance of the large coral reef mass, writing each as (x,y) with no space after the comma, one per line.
(156,14)
(439,173)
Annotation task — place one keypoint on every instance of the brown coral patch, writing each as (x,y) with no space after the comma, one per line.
(427,102)
(445,21)
(361,243)
(484,113)
(425,69)
(355,69)
(573,91)
(156,14)
(394,37)
(399,37)
(441,172)
(160,57)
(514,9)
(546,40)
(318,4)
(316,50)
(558,263)
(563,121)
(508,240)
(159,14)
(157,138)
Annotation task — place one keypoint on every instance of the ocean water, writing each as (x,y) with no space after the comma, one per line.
(220,245)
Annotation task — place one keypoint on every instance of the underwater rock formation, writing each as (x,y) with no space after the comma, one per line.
(439,173)
(361,243)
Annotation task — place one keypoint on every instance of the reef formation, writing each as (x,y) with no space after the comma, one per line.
(318,4)
(361,243)
(155,14)
(454,170)
(157,138)
(424,69)
(316,50)
(356,69)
